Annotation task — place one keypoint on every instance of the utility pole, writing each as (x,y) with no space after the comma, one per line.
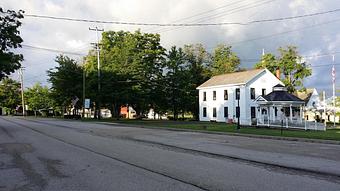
(333,79)
(21,74)
(98,67)
(84,88)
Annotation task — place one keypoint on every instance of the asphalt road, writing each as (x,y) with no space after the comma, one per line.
(46,154)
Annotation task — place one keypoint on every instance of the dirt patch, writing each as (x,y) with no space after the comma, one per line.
(15,150)
(52,167)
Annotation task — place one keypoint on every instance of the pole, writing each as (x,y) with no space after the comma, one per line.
(22,91)
(98,68)
(239,113)
(84,88)
(333,75)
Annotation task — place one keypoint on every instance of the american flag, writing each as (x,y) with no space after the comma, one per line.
(333,74)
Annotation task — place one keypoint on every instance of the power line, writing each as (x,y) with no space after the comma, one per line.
(227,12)
(181,24)
(51,50)
(203,13)
(280,33)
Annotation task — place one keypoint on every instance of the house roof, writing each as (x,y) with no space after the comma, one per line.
(305,95)
(281,95)
(232,78)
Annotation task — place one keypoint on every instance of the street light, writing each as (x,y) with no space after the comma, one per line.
(238,112)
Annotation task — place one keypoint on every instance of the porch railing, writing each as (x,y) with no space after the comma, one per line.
(293,124)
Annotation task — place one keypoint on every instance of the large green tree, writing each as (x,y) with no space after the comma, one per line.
(291,65)
(9,40)
(66,80)
(10,96)
(177,82)
(131,64)
(224,60)
(38,98)
(197,63)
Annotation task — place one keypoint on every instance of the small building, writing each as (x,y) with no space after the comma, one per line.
(128,112)
(314,110)
(225,97)
(154,115)
(279,107)
(282,109)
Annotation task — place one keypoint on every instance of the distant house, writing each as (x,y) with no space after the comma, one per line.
(127,112)
(313,106)
(154,115)
(225,97)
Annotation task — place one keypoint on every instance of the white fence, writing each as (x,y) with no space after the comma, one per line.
(294,124)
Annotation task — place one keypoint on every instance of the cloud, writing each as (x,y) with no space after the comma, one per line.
(75,36)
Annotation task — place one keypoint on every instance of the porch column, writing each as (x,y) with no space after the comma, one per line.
(301,114)
(268,115)
(274,118)
(258,115)
(290,113)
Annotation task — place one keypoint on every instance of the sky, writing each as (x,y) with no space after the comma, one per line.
(317,37)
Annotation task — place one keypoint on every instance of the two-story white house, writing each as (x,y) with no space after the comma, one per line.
(223,97)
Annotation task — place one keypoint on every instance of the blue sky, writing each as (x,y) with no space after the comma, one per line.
(312,35)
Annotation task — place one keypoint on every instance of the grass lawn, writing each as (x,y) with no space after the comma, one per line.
(330,134)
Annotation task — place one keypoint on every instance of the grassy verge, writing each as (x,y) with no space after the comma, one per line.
(330,134)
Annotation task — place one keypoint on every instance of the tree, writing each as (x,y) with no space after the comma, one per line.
(268,61)
(224,60)
(290,64)
(10,96)
(197,61)
(131,64)
(177,79)
(38,98)
(9,40)
(66,80)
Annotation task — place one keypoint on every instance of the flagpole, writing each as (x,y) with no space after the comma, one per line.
(333,75)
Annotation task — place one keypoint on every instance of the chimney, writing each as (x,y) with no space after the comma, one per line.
(278,73)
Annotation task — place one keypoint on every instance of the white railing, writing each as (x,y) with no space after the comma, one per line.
(294,124)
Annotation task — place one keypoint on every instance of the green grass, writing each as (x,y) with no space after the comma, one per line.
(330,134)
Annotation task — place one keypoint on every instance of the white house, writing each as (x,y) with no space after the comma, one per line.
(218,97)
(314,109)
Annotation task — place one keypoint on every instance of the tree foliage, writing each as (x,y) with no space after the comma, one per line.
(197,61)
(38,98)
(293,69)
(66,80)
(131,64)
(224,60)
(9,40)
(10,96)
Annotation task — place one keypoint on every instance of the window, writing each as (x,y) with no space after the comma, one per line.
(214,95)
(237,112)
(237,91)
(263,92)
(252,112)
(252,93)
(214,112)
(204,112)
(225,94)
(204,96)
(226,112)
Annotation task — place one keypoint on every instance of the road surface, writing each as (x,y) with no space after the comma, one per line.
(48,154)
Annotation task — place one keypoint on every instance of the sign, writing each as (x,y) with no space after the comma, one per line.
(87,103)
(74,101)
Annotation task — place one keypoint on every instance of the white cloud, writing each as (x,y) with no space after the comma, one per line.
(75,36)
